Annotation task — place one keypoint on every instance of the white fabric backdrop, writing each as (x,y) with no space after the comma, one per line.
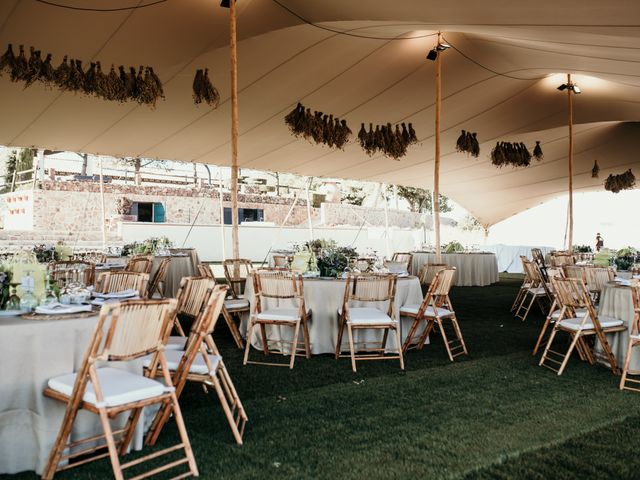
(509,256)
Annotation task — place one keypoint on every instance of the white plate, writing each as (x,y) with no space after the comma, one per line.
(12,313)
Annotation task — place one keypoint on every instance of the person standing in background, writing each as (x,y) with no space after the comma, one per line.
(599,242)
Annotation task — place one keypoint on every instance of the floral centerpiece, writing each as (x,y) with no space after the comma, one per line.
(582,249)
(46,253)
(5,286)
(453,247)
(333,261)
(625,258)
(151,246)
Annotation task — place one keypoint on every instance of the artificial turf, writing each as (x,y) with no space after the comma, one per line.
(493,414)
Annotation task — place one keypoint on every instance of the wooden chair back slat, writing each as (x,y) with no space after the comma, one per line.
(205,271)
(112,282)
(236,271)
(279,284)
(159,276)
(596,277)
(140,264)
(371,287)
(445,280)
(404,257)
(192,295)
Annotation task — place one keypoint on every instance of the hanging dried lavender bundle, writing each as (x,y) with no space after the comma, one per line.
(370,147)
(343,133)
(413,138)
(595,170)
(537,152)
(7,60)
(212,97)
(20,66)
(475,145)
(146,87)
(157,84)
(62,73)
(295,119)
(461,143)
(90,86)
(76,78)
(198,86)
(622,181)
(47,72)
(101,81)
(130,88)
(406,138)
(34,66)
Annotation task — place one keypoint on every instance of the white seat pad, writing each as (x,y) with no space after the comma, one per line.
(430,312)
(580,312)
(369,315)
(198,366)
(605,322)
(118,387)
(538,291)
(234,303)
(176,343)
(280,314)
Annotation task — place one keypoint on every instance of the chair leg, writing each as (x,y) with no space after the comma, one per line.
(351,348)
(248,344)
(607,350)
(340,335)
(444,338)
(625,369)
(233,328)
(305,332)
(294,344)
(576,337)
(228,411)
(182,431)
(410,334)
(538,344)
(460,338)
(399,346)
(265,342)
(425,334)
(61,441)
(111,446)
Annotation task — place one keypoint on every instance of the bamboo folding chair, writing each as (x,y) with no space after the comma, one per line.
(285,290)
(403,257)
(554,311)
(526,284)
(205,271)
(158,278)
(428,272)
(574,271)
(560,259)
(199,360)
(125,331)
(140,264)
(537,291)
(281,261)
(572,295)
(538,259)
(68,271)
(634,341)
(113,282)
(595,278)
(435,309)
(236,271)
(376,289)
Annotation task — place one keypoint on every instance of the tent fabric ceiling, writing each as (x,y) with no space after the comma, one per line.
(498,80)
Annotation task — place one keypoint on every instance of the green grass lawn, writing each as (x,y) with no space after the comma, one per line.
(493,414)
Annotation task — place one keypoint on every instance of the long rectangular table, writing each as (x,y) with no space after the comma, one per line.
(473,269)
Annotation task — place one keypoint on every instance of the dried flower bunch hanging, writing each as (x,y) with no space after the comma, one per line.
(203,89)
(595,170)
(387,140)
(514,154)
(143,86)
(622,181)
(318,127)
(468,142)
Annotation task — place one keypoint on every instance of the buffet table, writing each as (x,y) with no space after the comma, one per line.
(31,352)
(508,256)
(473,269)
(323,297)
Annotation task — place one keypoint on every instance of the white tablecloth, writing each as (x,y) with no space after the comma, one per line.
(31,352)
(473,269)
(616,302)
(509,256)
(179,267)
(323,298)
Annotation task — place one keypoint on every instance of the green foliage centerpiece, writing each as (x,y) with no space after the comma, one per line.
(332,260)
(5,286)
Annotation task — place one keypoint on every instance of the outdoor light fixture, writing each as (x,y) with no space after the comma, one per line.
(571,86)
(225,4)
(433,53)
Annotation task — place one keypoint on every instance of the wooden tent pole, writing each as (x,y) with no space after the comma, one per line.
(435,198)
(104,220)
(306,189)
(222,232)
(234,129)
(569,93)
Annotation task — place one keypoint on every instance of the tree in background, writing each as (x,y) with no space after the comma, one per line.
(419,199)
(18,161)
(354,196)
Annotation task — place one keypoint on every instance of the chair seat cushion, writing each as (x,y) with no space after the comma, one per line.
(369,316)
(236,304)
(198,366)
(280,314)
(605,322)
(176,343)
(580,312)
(118,387)
(429,312)
(538,291)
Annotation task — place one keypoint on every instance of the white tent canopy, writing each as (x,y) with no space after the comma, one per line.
(498,80)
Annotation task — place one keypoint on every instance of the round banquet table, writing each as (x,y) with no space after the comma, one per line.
(31,352)
(616,302)
(323,297)
(180,266)
(473,269)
